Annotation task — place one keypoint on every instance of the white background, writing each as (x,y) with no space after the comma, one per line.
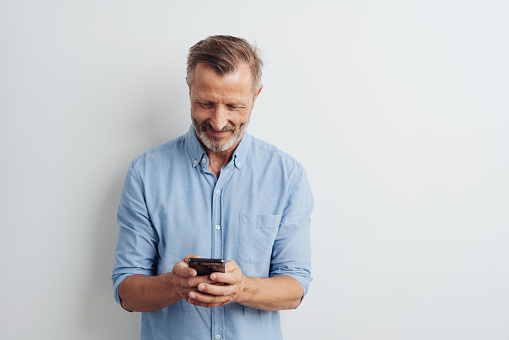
(398,110)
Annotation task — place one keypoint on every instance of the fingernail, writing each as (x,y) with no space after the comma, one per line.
(201,286)
(192,295)
(212,276)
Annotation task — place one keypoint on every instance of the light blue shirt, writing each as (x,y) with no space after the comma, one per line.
(257,213)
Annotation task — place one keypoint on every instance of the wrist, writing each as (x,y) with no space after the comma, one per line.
(169,287)
(247,292)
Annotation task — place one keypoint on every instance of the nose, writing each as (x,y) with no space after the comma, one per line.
(219,118)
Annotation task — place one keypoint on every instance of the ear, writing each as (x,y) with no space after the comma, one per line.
(256,95)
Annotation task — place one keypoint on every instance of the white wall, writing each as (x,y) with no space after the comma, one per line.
(397,109)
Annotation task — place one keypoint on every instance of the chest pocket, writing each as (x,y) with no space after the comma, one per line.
(256,237)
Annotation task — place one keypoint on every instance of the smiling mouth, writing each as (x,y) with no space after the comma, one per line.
(216,133)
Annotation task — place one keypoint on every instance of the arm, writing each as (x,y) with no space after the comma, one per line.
(274,293)
(136,285)
(140,293)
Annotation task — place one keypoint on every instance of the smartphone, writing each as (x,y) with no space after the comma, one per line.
(206,266)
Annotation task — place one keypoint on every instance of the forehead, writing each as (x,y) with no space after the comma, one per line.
(207,81)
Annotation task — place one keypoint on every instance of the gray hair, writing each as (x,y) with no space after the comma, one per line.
(224,53)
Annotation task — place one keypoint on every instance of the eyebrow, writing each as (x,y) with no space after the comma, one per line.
(235,104)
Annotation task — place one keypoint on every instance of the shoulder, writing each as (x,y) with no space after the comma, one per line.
(270,150)
(266,153)
(280,169)
(161,155)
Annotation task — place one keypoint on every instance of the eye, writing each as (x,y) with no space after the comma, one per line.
(233,107)
(206,105)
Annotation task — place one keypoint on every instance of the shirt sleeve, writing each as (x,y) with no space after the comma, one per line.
(136,249)
(291,253)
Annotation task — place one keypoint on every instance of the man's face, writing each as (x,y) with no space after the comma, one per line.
(221,106)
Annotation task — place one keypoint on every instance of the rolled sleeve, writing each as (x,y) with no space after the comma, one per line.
(291,254)
(136,249)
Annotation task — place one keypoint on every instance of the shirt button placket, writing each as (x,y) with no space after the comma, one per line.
(217,253)
(218,313)
(217,244)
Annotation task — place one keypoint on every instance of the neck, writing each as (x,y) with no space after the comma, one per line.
(219,159)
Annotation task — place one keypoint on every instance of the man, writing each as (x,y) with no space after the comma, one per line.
(215,192)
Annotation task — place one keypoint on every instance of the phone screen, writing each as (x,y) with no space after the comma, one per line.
(205,266)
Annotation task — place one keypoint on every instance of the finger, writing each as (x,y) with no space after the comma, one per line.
(207,299)
(228,278)
(182,269)
(231,266)
(184,293)
(195,281)
(217,290)
(192,271)
(192,282)
(186,259)
(206,305)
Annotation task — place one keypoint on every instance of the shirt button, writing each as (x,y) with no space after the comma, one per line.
(195,161)
(218,336)
(218,227)
(218,192)
(204,160)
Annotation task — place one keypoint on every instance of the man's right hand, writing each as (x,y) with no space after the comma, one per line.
(184,279)
(142,293)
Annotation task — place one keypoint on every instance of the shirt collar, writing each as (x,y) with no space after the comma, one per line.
(240,153)
(196,151)
(198,154)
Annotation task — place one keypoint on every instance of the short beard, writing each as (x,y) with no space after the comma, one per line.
(215,144)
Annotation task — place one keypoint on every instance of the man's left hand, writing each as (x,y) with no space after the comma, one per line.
(225,289)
